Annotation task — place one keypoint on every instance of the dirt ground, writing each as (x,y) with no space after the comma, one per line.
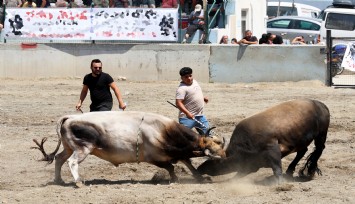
(30,108)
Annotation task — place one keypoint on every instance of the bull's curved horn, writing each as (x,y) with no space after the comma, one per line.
(208,153)
(200,131)
(209,130)
(223,143)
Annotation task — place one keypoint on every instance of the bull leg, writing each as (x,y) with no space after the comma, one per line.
(291,168)
(274,156)
(193,170)
(59,161)
(75,159)
(170,168)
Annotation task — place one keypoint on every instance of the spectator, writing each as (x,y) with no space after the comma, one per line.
(28,4)
(147,4)
(264,39)
(169,4)
(190,101)
(42,3)
(197,22)
(99,84)
(187,5)
(61,3)
(276,39)
(73,4)
(119,4)
(299,40)
(249,39)
(101,3)
(234,41)
(224,40)
(218,5)
(270,38)
(12,3)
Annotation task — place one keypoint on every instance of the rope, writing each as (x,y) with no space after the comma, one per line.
(137,143)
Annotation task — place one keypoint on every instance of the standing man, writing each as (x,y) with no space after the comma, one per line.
(190,101)
(99,84)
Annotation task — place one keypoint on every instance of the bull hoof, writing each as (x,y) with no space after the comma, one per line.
(59,182)
(79,184)
(288,177)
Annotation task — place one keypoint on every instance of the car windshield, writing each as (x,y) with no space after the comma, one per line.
(340,21)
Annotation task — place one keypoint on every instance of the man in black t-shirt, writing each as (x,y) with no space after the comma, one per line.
(249,39)
(99,84)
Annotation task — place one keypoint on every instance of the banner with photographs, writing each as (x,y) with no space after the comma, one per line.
(138,24)
(349,57)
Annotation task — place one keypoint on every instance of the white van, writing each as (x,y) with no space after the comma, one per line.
(341,22)
(291,9)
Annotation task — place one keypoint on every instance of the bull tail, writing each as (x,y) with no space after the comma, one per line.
(319,141)
(50,157)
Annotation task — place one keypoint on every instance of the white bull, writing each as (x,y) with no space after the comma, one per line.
(122,137)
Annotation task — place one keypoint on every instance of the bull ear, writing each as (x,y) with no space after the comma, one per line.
(200,131)
(198,153)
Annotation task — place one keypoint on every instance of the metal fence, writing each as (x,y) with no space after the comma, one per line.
(339,75)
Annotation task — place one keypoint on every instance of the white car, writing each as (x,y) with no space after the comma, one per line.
(340,21)
(290,27)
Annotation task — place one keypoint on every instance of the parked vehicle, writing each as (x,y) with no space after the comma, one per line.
(344,3)
(291,9)
(338,52)
(290,27)
(341,22)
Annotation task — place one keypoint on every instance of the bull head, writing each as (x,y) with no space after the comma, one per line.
(211,146)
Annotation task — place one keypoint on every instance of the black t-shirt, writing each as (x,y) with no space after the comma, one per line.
(39,3)
(99,87)
(251,39)
(278,40)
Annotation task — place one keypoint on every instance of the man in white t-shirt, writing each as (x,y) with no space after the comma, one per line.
(190,101)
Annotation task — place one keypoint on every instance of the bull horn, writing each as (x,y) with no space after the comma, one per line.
(224,143)
(200,131)
(208,153)
(209,130)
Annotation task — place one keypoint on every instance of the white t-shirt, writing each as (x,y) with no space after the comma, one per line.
(192,98)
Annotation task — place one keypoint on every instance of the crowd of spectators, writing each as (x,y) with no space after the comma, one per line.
(186,4)
(267,39)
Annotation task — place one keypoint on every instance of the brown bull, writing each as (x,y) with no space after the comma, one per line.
(262,140)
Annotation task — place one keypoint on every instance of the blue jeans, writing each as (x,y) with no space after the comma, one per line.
(193,123)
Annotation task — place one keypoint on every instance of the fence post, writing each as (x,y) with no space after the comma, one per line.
(329,46)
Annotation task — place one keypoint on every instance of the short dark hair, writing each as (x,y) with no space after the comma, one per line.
(185,70)
(95,61)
